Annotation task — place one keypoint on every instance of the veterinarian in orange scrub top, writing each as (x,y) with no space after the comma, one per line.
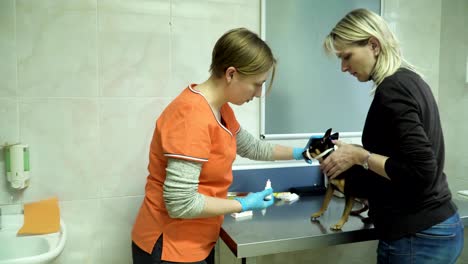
(403,147)
(194,145)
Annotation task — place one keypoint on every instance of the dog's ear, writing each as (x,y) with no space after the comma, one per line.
(327,133)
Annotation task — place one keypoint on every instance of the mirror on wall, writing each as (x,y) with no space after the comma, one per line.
(310,93)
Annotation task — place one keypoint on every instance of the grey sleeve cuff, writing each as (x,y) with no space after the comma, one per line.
(180,189)
(253,148)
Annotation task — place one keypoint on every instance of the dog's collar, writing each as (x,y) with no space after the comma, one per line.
(321,154)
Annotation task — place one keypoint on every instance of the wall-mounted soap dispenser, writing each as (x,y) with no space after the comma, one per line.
(17,165)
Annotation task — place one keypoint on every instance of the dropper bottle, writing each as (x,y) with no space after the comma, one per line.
(267,186)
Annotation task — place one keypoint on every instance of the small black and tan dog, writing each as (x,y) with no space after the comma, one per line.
(320,149)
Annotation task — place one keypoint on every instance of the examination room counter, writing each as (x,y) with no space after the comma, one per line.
(286,227)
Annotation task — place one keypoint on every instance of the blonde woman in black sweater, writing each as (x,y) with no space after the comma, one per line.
(403,148)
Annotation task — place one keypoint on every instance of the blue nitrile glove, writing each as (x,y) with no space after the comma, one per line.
(297,153)
(255,201)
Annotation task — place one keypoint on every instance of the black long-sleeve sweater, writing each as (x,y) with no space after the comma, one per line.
(403,124)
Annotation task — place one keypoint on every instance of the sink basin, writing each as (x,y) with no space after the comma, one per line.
(28,249)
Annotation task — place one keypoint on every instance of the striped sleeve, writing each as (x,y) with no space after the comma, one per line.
(253,148)
(180,189)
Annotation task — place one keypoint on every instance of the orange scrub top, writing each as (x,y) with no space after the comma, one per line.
(187,129)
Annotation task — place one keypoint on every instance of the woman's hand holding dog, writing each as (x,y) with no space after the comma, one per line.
(343,158)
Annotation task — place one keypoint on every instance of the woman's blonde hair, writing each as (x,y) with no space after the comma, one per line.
(356,29)
(243,50)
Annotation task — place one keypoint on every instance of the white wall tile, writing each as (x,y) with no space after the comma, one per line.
(115,225)
(63,137)
(127,127)
(9,120)
(56,47)
(83,221)
(9,134)
(7,48)
(189,35)
(134,47)
(196,25)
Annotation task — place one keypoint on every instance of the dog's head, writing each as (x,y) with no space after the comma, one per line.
(319,145)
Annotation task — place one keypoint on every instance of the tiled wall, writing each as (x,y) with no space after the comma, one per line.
(83,81)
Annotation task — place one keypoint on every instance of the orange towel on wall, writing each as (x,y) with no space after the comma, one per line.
(41,217)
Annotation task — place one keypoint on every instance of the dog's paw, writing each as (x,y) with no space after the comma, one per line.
(316,215)
(336,227)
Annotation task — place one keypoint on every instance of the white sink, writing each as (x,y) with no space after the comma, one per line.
(28,249)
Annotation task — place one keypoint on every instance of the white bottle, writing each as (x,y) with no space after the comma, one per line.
(267,186)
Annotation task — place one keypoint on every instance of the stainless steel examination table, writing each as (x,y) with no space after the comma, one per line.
(286,227)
